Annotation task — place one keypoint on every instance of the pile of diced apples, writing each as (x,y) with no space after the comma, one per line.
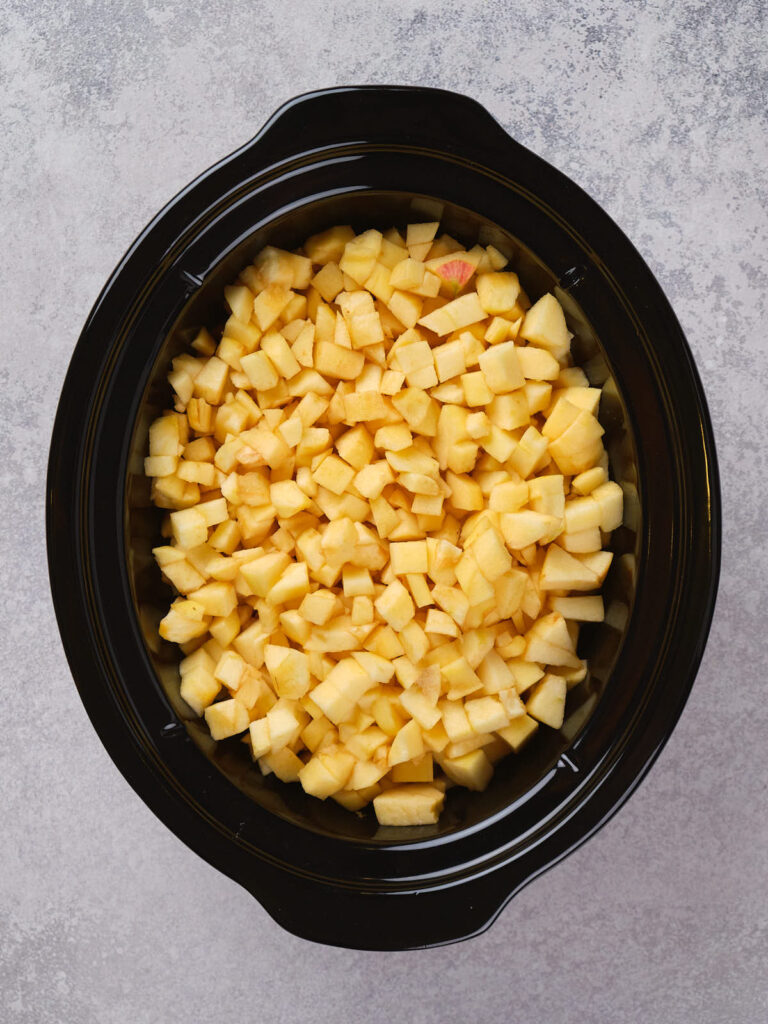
(389,506)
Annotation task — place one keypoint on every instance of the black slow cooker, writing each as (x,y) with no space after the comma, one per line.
(377,156)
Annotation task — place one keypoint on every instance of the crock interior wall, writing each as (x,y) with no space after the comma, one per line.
(516,774)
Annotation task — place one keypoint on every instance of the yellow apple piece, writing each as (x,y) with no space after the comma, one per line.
(537,364)
(409,804)
(226,718)
(328,246)
(360,255)
(419,770)
(288,669)
(461,312)
(580,609)
(407,744)
(544,325)
(610,499)
(519,731)
(498,292)
(472,770)
(546,701)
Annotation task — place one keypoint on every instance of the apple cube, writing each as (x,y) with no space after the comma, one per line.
(472,770)
(357,581)
(476,389)
(371,480)
(360,255)
(355,446)
(486,714)
(466,494)
(498,292)
(284,763)
(453,601)
(269,304)
(226,718)
(579,609)
(365,775)
(286,719)
(409,804)
(491,555)
(420,708)
(288,498)
(199,688)
(598,562)
(519,731)
(334,361)
(589,480)
(395,605)
(361,406)
(562,571)
(407,744)
(546,702)
(387,714)
(318,780)
(229,669)
(334,474)
(420,770)
(329,281)
(544,325)
(164,437)
(329,245)
(407,274)
(610,499)
(408,557)
(288,669)
(217,598)
(537,363)
(261,574)
(455,720)
(455,315)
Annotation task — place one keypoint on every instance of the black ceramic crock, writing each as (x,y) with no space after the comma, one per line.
(375,156)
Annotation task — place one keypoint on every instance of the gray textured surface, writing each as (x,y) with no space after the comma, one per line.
(659,111)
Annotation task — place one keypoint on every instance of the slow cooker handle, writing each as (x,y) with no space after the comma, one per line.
(381,114)
(384,920)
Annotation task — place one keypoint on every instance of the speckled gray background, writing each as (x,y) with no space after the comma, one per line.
(659,111)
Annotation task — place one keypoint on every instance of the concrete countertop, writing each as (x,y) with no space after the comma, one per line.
(659,112)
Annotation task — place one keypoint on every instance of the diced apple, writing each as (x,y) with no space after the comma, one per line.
(461,312)
(407,744)
(537,363)
(519,731)
(395,605)
(562,571)
(610,499)
(409,804)
(226,718)
(288,669)
(419,770)
(579,609)
(544,325)
(472,770)
(498,292)
(546,702)
(486,714)
(329,245)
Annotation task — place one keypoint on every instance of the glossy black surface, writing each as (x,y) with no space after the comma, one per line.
(373,156)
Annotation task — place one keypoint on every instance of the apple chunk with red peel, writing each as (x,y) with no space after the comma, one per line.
(455,273)
(454,270)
